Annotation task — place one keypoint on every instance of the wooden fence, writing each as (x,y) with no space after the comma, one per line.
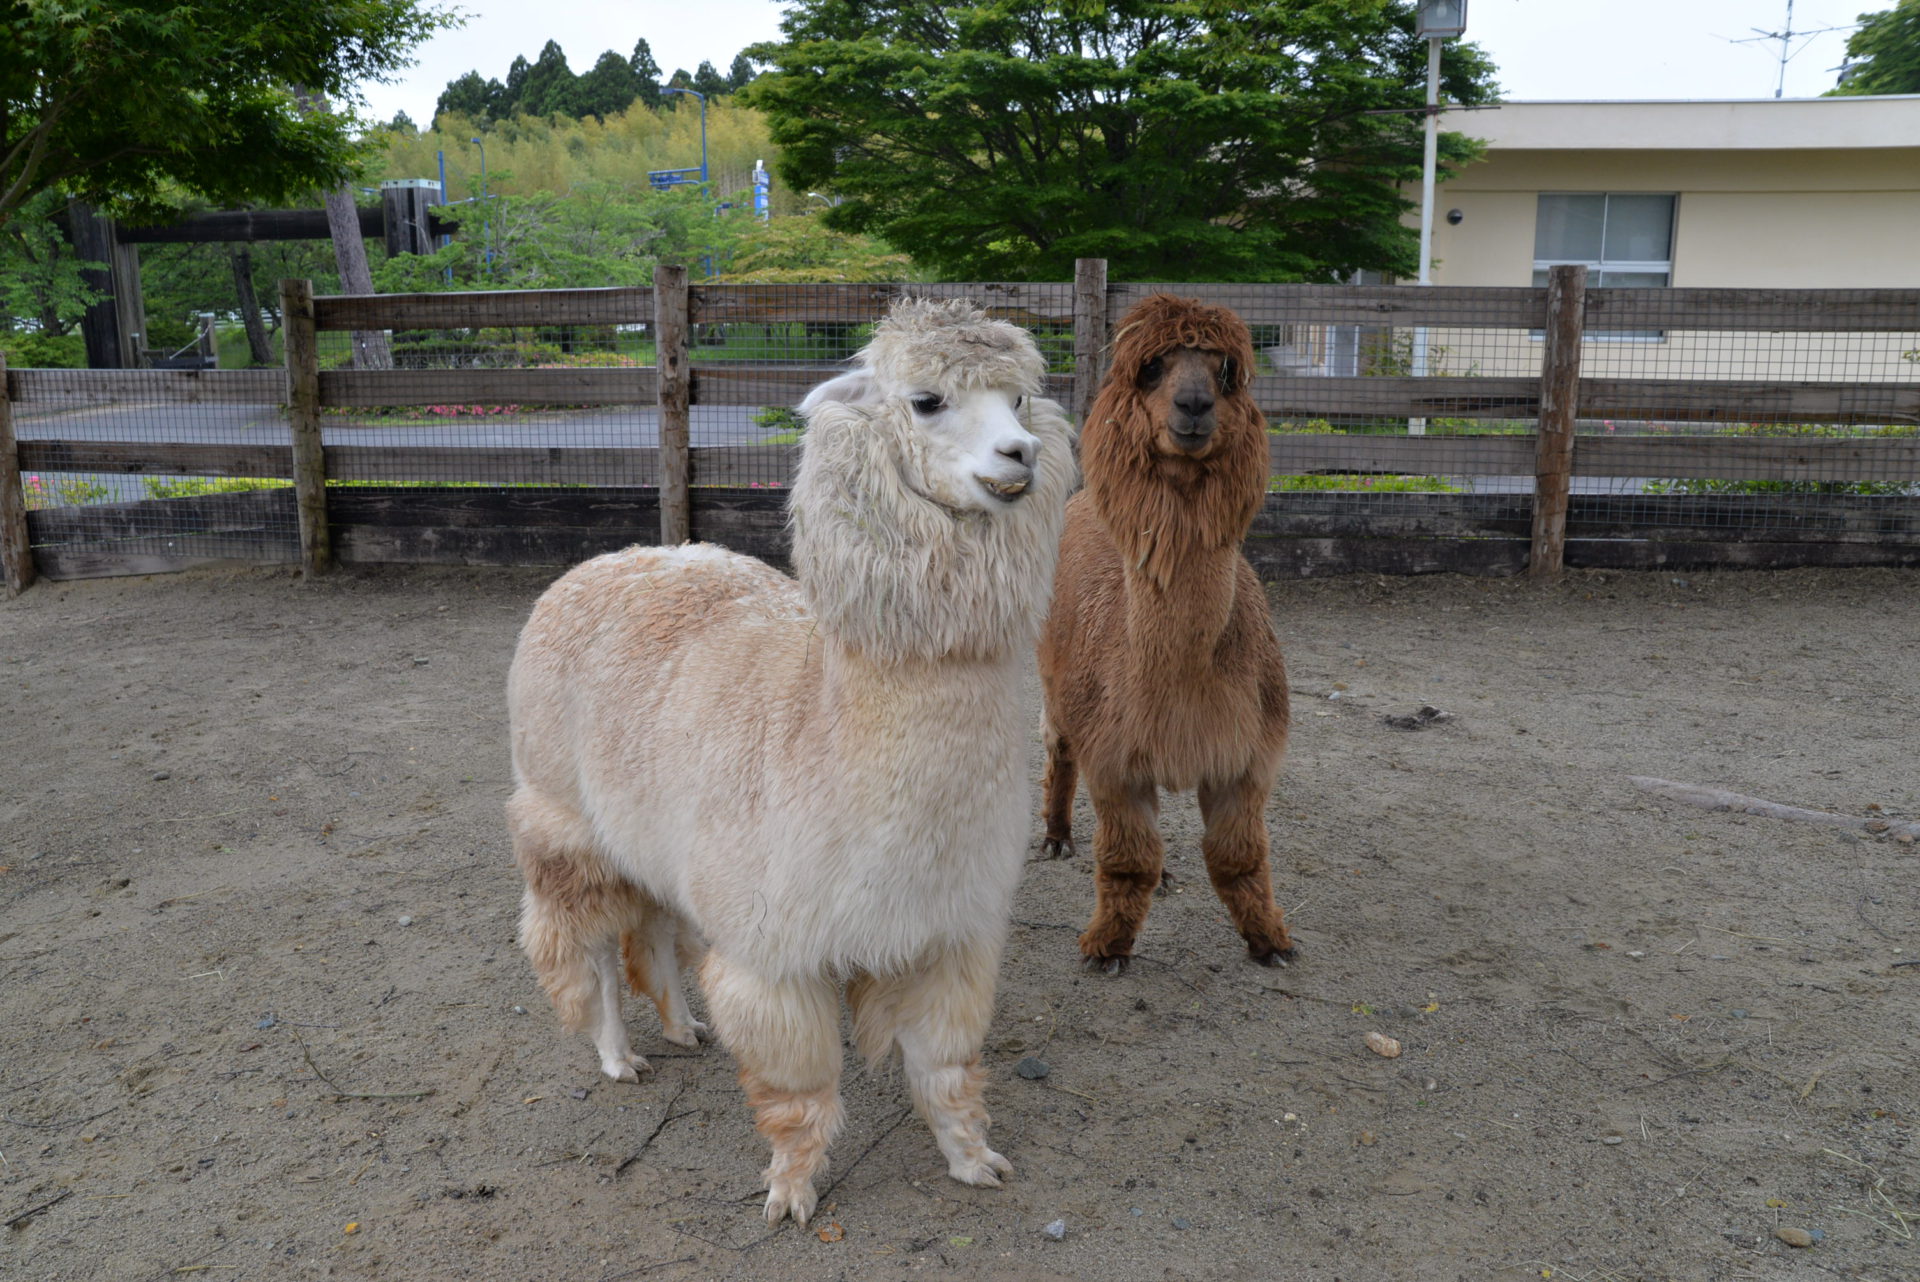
(674,491)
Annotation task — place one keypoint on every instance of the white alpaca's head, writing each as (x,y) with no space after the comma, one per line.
(961,381)
(931,490)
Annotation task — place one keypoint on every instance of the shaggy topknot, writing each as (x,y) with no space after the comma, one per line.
(950,343)
(1161,512)
(1161,323)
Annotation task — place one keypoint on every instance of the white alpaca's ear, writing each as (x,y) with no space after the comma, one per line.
(856,388)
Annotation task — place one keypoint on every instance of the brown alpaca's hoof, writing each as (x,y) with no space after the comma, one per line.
(1057,848)
(1276,958)
(1115,966)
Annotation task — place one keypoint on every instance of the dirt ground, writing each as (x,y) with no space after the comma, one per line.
(262,1015)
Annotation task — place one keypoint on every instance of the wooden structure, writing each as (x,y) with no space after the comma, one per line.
(114,328)
(617,496)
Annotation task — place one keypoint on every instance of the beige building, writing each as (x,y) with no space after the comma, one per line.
(1793,193)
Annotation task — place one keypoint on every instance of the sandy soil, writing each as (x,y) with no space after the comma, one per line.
(262,1016)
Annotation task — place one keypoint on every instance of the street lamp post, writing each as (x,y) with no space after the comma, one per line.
(703,126)
(1436,20)
(486,218)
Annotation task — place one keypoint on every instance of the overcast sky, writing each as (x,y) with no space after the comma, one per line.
(1543,48)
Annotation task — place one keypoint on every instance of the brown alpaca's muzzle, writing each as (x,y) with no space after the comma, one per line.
(1190,417)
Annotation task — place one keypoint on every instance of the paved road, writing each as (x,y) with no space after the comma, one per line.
(207,422)
(616,426)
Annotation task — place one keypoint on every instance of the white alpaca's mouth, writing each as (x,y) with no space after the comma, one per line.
(1006,491)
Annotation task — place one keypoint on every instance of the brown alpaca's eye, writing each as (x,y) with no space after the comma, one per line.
(928,405)
(1150,372)
(1228,375)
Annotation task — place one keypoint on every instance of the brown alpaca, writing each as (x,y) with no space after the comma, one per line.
(1159,659)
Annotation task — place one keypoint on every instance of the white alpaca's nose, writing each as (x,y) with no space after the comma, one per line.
(1021,449)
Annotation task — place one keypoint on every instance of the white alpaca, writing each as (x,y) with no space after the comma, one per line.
(822,781)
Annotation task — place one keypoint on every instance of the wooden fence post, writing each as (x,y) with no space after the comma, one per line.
(16,553)
(675,383)
(1089,332)
(1559,404)
(303,415)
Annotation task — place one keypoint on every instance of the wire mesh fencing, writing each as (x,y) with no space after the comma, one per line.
(539,426)
(154,466)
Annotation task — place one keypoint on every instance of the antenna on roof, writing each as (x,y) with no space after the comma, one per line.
(1785,37)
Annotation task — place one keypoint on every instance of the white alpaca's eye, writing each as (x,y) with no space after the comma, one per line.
(928,405)
(1018,401)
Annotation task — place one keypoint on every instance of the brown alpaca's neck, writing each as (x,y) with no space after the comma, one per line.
(1175,621)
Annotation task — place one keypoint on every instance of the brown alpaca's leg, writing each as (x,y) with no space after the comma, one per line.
(785,1034)
(1062,777)
(1235,846)
(1128,855)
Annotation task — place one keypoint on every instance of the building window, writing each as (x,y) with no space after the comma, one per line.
(1624,240)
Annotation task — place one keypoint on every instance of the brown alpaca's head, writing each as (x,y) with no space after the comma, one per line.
(1174,449)
(1181,360)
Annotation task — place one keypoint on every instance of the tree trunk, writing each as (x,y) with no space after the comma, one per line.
(370,349)
(259,349)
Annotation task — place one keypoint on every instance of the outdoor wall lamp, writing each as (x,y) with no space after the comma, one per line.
(1455,217)
(1440,19)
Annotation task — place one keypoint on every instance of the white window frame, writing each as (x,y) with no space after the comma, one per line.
(1596,266)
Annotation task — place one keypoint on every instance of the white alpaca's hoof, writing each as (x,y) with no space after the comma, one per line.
(690,1034)
(790,1197)
(981,1172)
(625,1068)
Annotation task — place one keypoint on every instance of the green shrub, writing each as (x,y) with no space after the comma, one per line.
(1363,483)
(43,351)
(782,425)
(191,487)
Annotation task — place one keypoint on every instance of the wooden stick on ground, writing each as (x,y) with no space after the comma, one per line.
(1716,799)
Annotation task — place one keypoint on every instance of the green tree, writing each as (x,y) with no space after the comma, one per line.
(709,81)
(513,93)
(133,103)
(1179,141)
(799,249)
(40,283)
(608,89)
(550,88)
(471,95)
(646,73)
(599,233)
(1883,56)
(740,74)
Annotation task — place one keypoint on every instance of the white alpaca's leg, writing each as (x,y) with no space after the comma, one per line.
(938,1015)
(786,1036)
(570,922)
(617,1057)
(652,948)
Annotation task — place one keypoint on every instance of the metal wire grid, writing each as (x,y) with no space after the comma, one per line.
(1843,433)
(467,417)
(90,439)
(1838,446)
(754,350)
(765,346)
(771,343)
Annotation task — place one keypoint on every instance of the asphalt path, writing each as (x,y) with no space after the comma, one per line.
(215,423)
(635,427)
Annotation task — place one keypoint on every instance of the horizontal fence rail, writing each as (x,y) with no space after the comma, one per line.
(1703,426)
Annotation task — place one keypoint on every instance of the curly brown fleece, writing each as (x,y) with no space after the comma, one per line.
(1159,659)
